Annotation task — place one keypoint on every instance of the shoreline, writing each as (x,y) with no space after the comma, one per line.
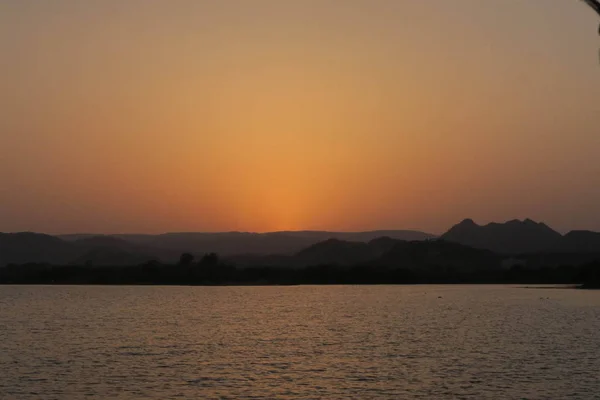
(258,284)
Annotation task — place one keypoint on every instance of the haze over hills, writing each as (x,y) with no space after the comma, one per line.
(33,247)
(124,249)
(513,238)
(236,243)
(27,247)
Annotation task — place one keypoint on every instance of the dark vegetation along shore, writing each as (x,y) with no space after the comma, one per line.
(519,252)
(154,274)
(432,262)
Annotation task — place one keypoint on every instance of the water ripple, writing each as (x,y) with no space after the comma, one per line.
(384,342)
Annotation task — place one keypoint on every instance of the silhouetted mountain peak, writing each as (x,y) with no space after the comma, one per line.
(465,225)
(526,222)
(514,236)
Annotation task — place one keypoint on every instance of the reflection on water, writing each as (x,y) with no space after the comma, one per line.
(484,342)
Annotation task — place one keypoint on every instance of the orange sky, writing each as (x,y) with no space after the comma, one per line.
(217,115)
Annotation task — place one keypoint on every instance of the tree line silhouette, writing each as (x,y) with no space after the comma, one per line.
(211,270)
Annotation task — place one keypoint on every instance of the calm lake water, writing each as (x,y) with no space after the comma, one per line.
(305,342)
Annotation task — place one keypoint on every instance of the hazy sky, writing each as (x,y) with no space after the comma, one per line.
(257,115)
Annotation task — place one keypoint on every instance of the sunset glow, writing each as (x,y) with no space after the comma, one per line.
(191,115)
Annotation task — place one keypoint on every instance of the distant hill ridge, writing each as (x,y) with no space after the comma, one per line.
(517,237)
(19,248)
(235,243)
(307,247)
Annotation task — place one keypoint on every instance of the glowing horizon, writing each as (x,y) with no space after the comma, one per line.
(152,116)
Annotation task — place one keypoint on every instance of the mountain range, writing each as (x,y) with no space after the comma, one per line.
(521,237)
(126,249)
(464,244)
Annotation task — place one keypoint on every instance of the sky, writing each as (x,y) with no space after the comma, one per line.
(150,116)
